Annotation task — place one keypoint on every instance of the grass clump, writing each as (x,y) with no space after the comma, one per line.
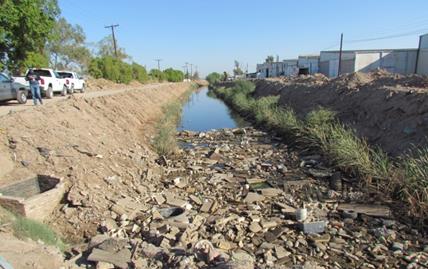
(320,130)
(415,173)
(165,142)
(27,228)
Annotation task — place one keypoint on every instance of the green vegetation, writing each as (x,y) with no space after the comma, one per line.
(25,28)
(165,140)
(320,130)
(172,75)
(214,78)
(27,228)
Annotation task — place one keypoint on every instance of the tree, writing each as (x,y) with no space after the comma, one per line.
(213,78)
(270,59)
(67,48)
(106,48)
(173,75)
(237,71)
(157,75)
(25,27)
(139,73)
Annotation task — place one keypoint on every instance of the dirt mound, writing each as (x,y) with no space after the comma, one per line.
(389,110)
(104,84)
(94,144)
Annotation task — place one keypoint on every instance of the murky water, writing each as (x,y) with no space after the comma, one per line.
(203,113)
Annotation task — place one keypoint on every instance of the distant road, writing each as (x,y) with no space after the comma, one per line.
(14,106)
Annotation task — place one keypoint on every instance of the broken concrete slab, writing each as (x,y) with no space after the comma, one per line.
(378,211)
(119,259)
(253,197)
(313,227)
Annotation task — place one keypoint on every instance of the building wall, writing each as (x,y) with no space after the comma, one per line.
(329,63)
(423,56)
(291,68)
(394,61)
(310,62)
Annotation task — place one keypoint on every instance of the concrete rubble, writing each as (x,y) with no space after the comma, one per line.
(229,200)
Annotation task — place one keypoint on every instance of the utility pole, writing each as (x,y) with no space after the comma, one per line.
(114,38)
(340,55)
(158,60)
(187,70)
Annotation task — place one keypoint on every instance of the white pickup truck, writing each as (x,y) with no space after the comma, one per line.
(73,81)
(50,82)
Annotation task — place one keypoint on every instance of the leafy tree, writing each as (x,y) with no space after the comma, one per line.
(214,77)
(94,68)
(157,75)
(173,75)
(139,73)
(270,59)
(25,26)
(35,59)
(237,71)
(67,46)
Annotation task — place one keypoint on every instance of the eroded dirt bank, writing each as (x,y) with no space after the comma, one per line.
(389,110)
(85,141)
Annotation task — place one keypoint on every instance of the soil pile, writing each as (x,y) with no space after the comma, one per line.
(101,84)
(389,110)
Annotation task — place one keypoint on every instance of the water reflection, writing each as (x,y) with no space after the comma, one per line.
(203,113)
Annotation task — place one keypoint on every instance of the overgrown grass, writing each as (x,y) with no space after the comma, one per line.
(27,228)
(165,142)
(321,130)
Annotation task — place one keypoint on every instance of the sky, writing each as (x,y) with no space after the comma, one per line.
(213,34)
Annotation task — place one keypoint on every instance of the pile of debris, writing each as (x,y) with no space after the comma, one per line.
(241,199)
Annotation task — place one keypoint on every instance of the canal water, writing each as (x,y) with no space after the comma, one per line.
(204,113)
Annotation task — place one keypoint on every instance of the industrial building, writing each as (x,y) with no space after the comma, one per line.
(402,61)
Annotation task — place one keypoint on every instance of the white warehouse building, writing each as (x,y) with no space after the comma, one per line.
(402,61)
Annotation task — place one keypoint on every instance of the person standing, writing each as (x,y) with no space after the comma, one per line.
(34,79)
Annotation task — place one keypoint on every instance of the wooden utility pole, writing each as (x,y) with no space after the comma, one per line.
(340,55)
(158,60)
(114,38)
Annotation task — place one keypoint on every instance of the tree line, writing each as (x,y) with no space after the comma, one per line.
(33,34)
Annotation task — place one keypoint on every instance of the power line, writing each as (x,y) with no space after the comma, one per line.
(388,36)
(114,38)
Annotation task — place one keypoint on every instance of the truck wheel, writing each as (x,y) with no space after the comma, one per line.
(83,88)
(49,92)
(64,91)
(22,97)
(71,90)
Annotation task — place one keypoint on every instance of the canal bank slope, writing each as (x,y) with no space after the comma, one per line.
(90,143)
(388,110)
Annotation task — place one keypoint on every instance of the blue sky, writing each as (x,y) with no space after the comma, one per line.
(212,34)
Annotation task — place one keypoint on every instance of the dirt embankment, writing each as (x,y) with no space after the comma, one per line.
(91,143)
(389,110)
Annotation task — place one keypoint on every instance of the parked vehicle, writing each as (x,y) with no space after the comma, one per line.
(12,90)
(73,81)
(51,82)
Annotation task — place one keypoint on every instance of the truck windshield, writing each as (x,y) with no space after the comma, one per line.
(65,75)
(42,73)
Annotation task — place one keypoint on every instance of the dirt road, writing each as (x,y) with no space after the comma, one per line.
(13,106)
